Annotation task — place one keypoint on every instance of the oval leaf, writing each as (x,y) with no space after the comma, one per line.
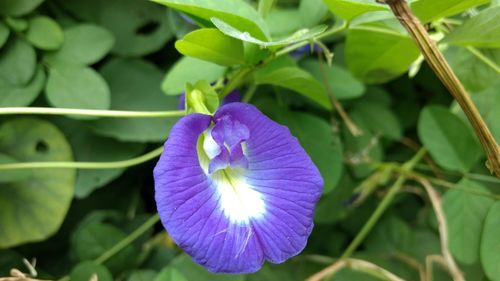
(17,62)
(449,141)
(44,33)
(75,86)
(189,70)
(134,86)
(340,81)
(85,271)
(22,95)
(376,54)
(429,10)
(301,35)
(211,45)
(490,244)
(4,33)
(349,9)
(297,80)
(465,213)
(18,7)
(139,27)
(237,13)
(84,44)
(34,208)
(482,30)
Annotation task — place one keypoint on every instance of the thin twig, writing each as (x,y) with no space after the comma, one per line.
(355,131)
(357,265)
(430,260)
(412,262)
(415,146)
(443,230)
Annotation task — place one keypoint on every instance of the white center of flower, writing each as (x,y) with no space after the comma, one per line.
(239,201)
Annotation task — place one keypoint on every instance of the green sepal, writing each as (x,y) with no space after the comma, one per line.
(201,98)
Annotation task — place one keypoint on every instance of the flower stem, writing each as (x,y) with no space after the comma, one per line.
(85,165)
(332,31)
(264,7)
(442,69)
(487,61)
(90,112)
(367,227)
(128,240)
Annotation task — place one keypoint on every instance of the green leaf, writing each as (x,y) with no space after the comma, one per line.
(490,244)
(377,54)
(13,175)
(300,35)
(237,13)
(134,85)
(34,208)
(93,238)
(143,275)
(89,147)
(297,80)
(390,236)
(449,141)
(139,27)
(211,45)
(292,270)
(465,214)
(84,44)
(17,62)
(380,120)
(44,33)
(428,244)
(429,10)
(189,70)
(482,30)
(312,12)
(315,136)
(170,274)
(192,271)
(474,74)
(76,86)
(332,206)
(22,95)
(488,102)
(349,9)
(340,81)
(85,270)
(17,24)
(4,33)
(18,7)
(280,23)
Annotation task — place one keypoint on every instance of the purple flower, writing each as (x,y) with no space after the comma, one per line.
(234,96)
(306,50)
(236,189)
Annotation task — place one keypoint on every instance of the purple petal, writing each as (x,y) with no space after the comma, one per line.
(182,101)
(234,96)
(234,219)
(306,50)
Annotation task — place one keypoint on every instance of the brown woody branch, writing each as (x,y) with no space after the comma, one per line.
(442,69)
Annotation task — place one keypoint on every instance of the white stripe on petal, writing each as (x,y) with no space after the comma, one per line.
(238,200)
(211,148)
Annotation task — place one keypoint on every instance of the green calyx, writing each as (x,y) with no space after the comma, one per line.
(201,98)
